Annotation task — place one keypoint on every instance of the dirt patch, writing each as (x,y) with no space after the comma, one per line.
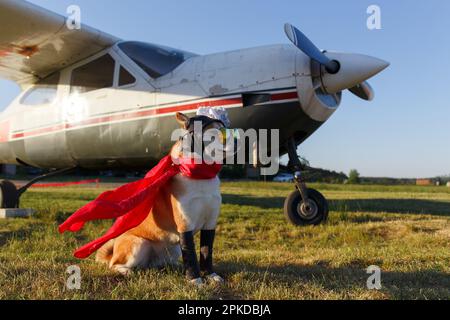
(389,231)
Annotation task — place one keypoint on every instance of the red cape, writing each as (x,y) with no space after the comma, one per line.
(131,203)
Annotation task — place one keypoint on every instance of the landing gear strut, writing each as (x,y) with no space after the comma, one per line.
(304,206)
(10,194)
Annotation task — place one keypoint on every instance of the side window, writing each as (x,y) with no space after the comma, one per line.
(125,77)
(97,74)
(44,92)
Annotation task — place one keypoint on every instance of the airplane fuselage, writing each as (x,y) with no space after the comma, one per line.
(128,124)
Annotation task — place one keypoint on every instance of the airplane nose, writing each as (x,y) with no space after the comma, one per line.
(354,69)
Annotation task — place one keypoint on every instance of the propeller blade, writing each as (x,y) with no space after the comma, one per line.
(363,90)
(304,44)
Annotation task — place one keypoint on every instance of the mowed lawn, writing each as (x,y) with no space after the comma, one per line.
(403,230)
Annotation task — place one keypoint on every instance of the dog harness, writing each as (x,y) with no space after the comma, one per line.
(131,203)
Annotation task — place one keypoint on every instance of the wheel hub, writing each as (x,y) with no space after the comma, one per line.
(308,209)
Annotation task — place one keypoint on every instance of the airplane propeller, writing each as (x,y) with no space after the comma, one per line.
(353,78)
(303,43)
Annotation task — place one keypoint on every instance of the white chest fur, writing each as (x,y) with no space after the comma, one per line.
(198,201)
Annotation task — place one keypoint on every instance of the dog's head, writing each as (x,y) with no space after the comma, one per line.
(206,134)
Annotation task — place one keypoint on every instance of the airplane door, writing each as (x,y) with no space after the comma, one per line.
(136,134)
(106,129)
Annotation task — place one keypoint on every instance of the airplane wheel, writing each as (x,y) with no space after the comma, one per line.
(8,195)
(300,214)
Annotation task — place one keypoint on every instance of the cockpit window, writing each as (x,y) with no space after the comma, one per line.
(125,77)
(155,60)
(95,75)
(43,92)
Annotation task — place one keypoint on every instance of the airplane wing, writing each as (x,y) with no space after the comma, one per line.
(35,42)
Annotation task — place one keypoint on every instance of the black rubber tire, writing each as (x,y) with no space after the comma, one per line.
(291,208)
(9,198)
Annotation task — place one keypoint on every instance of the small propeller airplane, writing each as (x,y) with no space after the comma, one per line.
(91,100)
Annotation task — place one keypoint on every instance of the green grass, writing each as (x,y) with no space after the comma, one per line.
(405,230)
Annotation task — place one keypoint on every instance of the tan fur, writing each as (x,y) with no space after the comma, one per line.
(155,242)
(158,230)
(104,254)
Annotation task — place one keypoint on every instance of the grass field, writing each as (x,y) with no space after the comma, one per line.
(403,230)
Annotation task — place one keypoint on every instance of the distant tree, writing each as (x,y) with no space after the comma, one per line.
(353,177)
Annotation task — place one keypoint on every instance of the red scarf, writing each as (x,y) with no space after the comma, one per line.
(131,203)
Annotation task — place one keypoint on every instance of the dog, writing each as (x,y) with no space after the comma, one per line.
(183,207)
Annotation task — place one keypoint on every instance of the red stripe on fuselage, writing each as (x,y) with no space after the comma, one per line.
(147,113)
(285,96)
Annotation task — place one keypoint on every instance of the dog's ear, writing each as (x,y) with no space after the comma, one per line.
(182,119)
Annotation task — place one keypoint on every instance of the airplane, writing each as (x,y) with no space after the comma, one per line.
(91,100)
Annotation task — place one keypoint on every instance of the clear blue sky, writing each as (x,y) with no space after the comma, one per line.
(405,132)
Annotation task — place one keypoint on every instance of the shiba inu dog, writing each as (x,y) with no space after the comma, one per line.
(183,207)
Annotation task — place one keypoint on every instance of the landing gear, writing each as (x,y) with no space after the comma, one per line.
(10,194)
(304,206)
(301,213)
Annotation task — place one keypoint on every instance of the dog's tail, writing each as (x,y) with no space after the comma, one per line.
(104,254)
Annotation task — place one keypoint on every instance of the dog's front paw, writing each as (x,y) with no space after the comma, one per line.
(197,282)
(214,277)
